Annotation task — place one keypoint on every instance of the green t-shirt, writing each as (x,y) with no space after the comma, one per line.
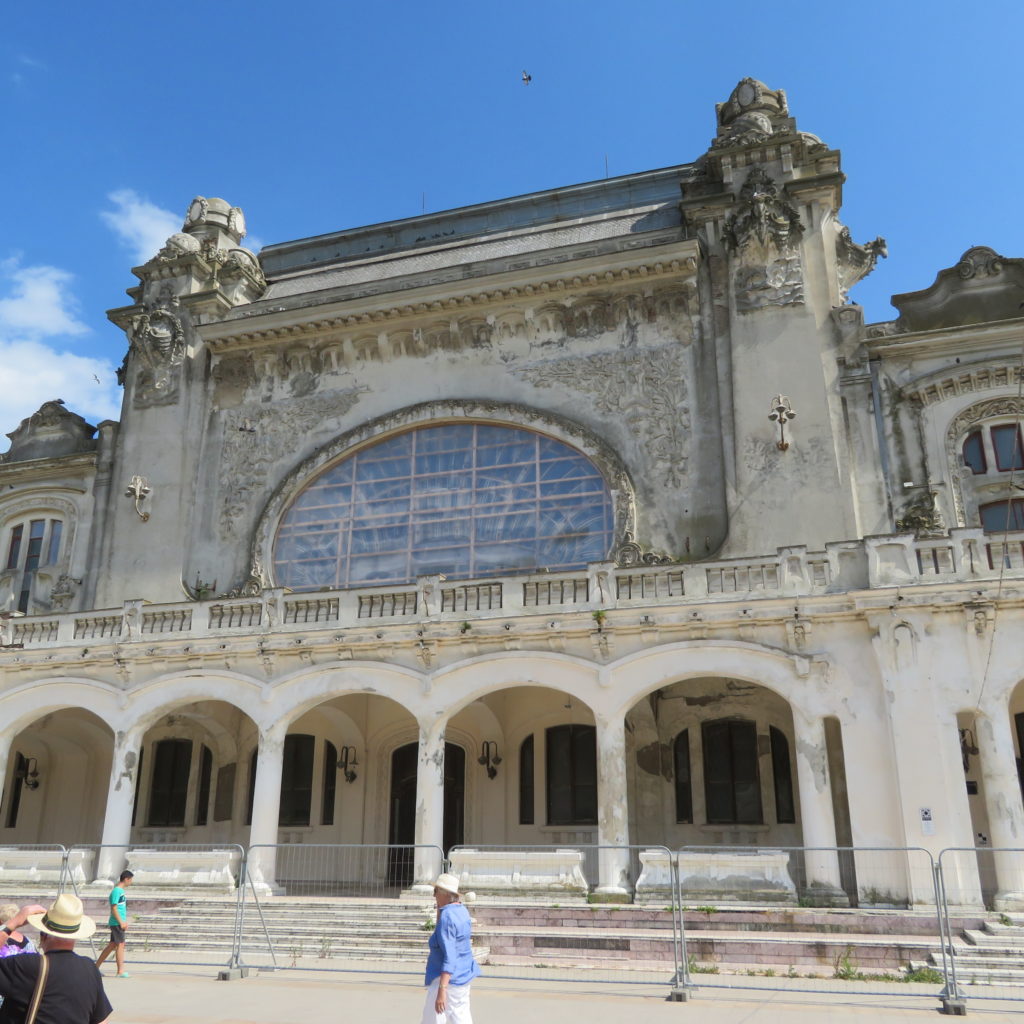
(120,900)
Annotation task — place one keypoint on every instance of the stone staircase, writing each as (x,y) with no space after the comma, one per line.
(990,955)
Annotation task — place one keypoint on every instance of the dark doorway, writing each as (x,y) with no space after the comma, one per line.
(402,828)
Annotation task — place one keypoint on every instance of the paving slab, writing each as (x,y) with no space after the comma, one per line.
(191,995)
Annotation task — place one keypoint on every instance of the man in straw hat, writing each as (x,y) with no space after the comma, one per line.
(450,964)
(73,993)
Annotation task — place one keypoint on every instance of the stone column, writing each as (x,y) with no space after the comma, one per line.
(429,805)
(266,807)
(817,818)
(1003,803)
(612,808)
(117,821)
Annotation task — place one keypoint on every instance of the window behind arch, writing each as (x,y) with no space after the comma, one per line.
(684,790)
(571,775)
(732,785)
(526,790)
(168,788)
(32,543)
(463,499)
(296,780)
(782,776)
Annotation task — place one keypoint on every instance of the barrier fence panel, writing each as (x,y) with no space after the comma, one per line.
(173,882)
(983,886)
(574,913)
(381,926)
(766,918)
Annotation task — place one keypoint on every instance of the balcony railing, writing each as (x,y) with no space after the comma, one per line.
(874,562)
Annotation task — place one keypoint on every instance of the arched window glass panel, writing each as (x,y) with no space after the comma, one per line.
(684,790)
(999,516)
(138,785)
(1006,443)
(732,786)
(330,783)
(526,792)
(782,775)
(296,780)
(168,788)
(974,453)
(463,499)
(205,782)
(571,775)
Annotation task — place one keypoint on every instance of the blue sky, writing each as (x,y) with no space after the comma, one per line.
(318,116)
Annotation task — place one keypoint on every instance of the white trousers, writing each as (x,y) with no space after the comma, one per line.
(457,1003)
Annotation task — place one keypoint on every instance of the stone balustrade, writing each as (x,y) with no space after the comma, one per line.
(901,560)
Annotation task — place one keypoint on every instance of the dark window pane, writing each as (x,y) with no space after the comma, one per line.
(296,780)
(251,798)
(974,453)
(526,781)
(782,774)
(205,780)
(1007,444)
(330,783)
(168,790)
(1003,515)
(138,785)
(20,766)
(15,549)
(684,793)
(731,780)
(571,775)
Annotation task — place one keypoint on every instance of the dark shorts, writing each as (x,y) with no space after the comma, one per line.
(116,934)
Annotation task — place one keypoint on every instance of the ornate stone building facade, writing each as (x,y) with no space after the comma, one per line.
(592,516)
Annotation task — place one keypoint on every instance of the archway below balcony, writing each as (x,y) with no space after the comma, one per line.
(56,780)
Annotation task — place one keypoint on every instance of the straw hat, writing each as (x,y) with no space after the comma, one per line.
(450,883)
(64,919)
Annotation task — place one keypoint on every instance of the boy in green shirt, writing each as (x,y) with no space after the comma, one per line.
(118,922)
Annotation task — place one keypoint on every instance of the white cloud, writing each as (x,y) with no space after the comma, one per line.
(37,310)
(141,225)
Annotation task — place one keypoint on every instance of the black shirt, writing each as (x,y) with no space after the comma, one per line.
(73,994)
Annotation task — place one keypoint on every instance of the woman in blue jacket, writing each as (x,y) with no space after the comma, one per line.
(450,965)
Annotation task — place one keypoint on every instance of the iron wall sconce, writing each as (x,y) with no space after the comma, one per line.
(347,763)
(29,773)
(489,757)
(782,412)
(968,747)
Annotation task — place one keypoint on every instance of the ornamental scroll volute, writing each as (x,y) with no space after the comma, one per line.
(763,236)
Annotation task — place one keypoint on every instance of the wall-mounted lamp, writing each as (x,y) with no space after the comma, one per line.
(29,773)
(968,747)
(347,763)
(782,412)
(489,757)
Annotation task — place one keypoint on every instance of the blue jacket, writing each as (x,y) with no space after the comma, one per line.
(449,947)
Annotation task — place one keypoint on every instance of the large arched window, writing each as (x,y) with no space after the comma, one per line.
(463,499)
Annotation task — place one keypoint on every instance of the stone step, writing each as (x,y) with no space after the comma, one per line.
(1007,935)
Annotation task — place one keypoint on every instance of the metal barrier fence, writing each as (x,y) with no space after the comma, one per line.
(989,964)
(537,909)
(181,872)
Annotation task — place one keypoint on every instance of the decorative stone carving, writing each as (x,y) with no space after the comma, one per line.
(255,436)
(644,388)
(50,432)
(157,337)
(763,235)
(764,218)
(63,591)
(854,261)
(921,515)
(629,554)
(980,261)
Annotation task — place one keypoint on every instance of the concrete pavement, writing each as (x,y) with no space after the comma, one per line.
(188,995)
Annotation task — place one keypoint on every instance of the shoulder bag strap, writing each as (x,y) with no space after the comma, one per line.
(37,995)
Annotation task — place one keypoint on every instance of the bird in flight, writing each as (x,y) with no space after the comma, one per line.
(527,78)
(95,378)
